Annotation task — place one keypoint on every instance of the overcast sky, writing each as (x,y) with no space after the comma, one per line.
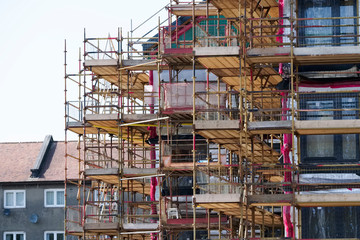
(32,56)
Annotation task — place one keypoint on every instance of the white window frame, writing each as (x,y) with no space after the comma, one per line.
(14,192)
(53,232)
(55,190)
(5,233)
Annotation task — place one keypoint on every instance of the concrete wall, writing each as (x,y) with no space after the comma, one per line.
(49,218)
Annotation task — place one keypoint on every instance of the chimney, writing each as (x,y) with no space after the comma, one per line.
(35,171)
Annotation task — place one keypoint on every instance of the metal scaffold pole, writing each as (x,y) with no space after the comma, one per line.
(194,118)
(84,148)
(65,141)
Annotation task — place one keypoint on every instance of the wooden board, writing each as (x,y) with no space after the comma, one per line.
(187,9)
(134,84)
(230,139)
(327,200)
(304,56)
(262,77)
(238,210)
(128,185)
(102,228)
(230,8)
(322,127)
(227,68)
(112,127)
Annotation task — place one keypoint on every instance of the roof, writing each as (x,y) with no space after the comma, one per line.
(17,160)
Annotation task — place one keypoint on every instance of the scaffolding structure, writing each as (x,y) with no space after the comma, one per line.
(203,130)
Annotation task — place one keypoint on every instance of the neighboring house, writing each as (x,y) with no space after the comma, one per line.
(32,194)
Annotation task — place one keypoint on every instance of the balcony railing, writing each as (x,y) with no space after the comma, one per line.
(107,155)
(102,48)
(308,178)
(121,47)
(219,180)
(74,219)
(74,111)
(263,32)
(278,106)
(209,32)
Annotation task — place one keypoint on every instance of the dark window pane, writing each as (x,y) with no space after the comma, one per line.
(50,236)
(20,236)
(9,237)
(60,236)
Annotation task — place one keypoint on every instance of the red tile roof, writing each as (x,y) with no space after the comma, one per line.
(16,160)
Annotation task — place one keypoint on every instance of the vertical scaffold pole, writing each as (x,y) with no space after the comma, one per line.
(84,144)
(194,152)
(65,141)
(159,132)
(121,195)
(193,132)
(241,117)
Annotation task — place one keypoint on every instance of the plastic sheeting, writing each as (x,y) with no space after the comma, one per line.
(330,222)
(285,150)
(279,38)
(153,182)
(317,14)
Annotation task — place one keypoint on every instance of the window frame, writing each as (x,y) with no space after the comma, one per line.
(54,232)
(14,191)
(336,29)
(338,138)
(15,232)
(55,190)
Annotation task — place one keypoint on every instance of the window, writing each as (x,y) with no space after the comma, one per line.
(315,32)
(14,236)
(54,235)
(330,148)
(54,198)
(14,198)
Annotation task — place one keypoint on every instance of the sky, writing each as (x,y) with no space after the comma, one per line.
(32,56)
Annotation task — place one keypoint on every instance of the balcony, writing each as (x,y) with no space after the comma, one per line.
(102,217)
(305,185)
(330,112)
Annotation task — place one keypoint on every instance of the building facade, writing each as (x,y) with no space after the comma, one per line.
(234,120)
